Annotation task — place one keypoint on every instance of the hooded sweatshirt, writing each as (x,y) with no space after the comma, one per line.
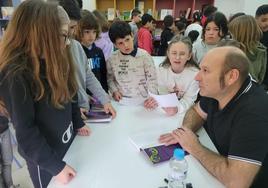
(258,61)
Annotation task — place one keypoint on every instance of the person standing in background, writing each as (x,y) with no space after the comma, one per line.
(145,38)
(166,34)
(195,26)
(262,20)
(135,19)
(103,41)
(245,30)
(209,10)
(215,29)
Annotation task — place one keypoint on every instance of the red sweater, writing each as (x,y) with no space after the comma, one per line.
(145,40)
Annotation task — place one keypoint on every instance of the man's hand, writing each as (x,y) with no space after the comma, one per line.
(187,139)
(168,139)
(117,96)
(150,103)
(83,111)
(170,111)
(66,175)
(84,131)
(109,108)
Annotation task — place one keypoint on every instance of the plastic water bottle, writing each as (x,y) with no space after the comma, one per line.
(178,170)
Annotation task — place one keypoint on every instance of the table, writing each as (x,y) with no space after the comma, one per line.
(108,159)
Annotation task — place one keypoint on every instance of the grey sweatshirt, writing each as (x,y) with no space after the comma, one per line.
(85,77)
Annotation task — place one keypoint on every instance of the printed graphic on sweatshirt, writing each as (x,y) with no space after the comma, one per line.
(67,135)
(94,63)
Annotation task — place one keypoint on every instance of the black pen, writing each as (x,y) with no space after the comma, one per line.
(166,180)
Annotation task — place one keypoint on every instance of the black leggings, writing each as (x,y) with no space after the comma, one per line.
(40,177)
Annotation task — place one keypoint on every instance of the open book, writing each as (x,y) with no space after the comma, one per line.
(156,152)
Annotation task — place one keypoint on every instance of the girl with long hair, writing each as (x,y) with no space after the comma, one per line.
(38,87)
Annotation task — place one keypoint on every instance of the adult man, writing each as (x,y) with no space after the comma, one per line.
(262,19)
(233,111)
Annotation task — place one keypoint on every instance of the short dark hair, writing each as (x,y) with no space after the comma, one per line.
(146,18)
(210,9)
(193,35)
(88,21)
(220,20)
(168,21)
(119,29)
(197,16)
(80,3)
(261,10)
(135,12)
(72,9)
(236,15)
(181,26)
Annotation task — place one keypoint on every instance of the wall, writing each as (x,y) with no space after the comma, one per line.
(229,7)
(251,6)
(90,4)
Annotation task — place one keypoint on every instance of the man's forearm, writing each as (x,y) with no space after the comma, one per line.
(192,119)
(214,163)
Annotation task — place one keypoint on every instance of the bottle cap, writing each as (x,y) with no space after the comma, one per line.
(179,154)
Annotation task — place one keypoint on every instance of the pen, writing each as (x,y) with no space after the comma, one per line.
(166,180)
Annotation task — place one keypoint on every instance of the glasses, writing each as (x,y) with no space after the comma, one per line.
(65,38)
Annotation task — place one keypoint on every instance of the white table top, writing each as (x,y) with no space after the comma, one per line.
(108,159)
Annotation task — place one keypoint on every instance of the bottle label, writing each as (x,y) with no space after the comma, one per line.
(177,175)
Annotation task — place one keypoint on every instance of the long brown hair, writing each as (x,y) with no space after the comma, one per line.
(34,32)
(245,30)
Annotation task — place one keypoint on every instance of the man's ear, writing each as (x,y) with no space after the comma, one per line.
(232,76)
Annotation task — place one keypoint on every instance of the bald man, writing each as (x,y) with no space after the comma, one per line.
(233,111)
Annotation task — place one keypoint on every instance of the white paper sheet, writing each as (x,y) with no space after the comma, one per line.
(168,100)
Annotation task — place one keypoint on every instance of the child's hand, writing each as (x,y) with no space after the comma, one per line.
(117,96)
(170,110)
(84,131)
(66,175)
(83,111)
(108,108)
(150,103)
